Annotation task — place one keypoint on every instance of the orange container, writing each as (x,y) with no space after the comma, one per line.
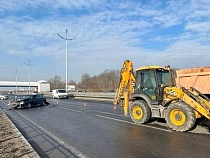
(199,78)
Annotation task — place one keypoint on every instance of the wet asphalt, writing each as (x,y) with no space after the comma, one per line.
(82,128)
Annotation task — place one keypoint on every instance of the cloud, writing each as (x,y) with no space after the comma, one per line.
(198,27)
(106,33)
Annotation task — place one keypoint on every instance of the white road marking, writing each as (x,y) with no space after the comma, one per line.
(60,141)
(132,123)
(114,118)
(7,105)
(71,148)
(71,109)
(105,112)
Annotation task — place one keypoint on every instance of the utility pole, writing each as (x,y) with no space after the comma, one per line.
(29,75)
(66,39)
(16,80)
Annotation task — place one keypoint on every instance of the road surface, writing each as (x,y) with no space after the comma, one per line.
(82,128)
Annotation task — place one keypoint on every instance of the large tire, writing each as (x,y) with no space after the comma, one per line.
(180,117)
(140,112)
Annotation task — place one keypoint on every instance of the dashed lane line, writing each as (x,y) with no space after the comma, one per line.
(71,109)
(132,123)
(105,112)
(110,118)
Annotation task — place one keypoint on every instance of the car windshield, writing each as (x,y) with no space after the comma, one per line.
(29,96)
(24,97)
(61,91)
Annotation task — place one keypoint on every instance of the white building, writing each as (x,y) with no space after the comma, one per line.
(40,86)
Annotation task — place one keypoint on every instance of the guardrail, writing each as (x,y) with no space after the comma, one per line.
(87,95)
(94,95)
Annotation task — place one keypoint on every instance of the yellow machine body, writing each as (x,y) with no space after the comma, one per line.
(152,92)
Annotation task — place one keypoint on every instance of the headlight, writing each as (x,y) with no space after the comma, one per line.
(22,103)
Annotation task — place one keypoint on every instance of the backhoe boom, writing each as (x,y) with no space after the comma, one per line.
(126,83)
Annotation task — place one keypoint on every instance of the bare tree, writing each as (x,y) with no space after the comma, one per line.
(108,80)
(56,82)
(71,82)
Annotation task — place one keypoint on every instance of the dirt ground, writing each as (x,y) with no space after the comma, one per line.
(12,143)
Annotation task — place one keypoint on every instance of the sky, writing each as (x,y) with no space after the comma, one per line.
(102,34)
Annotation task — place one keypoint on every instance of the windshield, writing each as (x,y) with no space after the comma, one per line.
(23,97)
(163,77)
(61,91)
(29,96)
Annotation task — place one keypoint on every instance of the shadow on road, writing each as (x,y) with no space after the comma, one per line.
(45,145)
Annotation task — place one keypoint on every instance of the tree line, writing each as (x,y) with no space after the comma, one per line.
(106,81)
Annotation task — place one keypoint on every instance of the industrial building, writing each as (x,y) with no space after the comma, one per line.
(12,86)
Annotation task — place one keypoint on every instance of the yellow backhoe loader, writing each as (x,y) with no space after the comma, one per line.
(153,93)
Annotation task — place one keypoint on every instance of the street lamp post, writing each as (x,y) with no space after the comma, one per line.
(16,80)
(66,39)
(66,62)
(29,74)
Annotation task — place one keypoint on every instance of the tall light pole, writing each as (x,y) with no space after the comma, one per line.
(66,39)
(16,80)
(29,74)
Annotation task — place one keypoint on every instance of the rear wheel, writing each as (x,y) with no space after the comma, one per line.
(140,112)
(180,117)
(43,103)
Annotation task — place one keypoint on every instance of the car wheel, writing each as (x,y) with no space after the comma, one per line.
(42,104)
(29,105)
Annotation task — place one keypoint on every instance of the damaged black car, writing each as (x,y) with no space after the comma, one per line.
(28,101)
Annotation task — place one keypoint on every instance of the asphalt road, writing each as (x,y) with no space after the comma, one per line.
(81,128)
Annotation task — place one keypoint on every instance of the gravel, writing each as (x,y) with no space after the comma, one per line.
(12,143)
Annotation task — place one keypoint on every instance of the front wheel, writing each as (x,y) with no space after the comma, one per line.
(180,117)
(140,112)
(42,103)
(29,105)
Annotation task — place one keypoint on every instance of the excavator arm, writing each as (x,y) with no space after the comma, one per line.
(125,87)
(194,98)
(197,101)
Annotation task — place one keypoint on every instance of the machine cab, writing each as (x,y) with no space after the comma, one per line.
(151,81)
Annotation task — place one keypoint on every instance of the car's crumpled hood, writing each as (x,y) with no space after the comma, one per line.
(22,99)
